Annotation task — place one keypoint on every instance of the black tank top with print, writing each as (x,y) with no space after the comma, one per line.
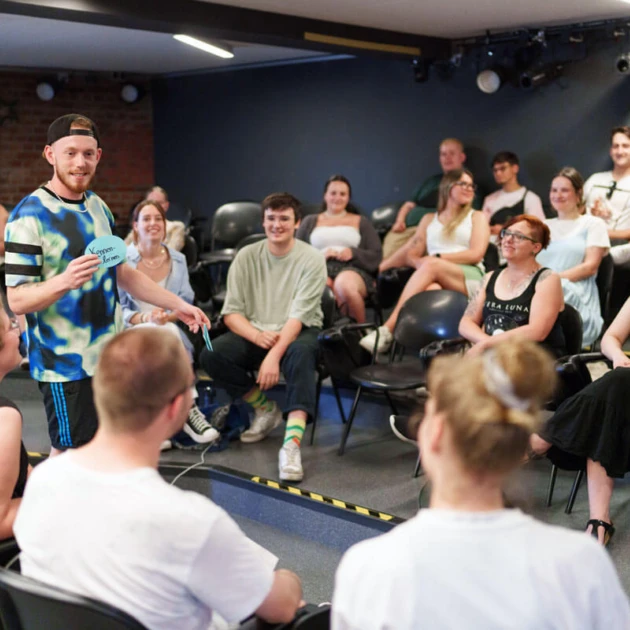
(499,316)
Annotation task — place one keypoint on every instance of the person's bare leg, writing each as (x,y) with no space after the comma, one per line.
(350,289)
(431,271)
(600,489)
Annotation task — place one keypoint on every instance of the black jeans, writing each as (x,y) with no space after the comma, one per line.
(234,358)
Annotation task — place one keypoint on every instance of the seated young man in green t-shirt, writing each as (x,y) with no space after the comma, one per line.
(424,198)
(273,310)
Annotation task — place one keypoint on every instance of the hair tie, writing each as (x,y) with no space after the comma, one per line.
(499,384)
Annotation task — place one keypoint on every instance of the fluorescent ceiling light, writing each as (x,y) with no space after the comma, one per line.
(205,46)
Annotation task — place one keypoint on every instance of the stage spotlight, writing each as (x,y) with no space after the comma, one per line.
(131,93)
(489,81)
(46,90)
(420,70)
(535,77)
(623,63)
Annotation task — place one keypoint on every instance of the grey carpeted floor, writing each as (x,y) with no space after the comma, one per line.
(375,472)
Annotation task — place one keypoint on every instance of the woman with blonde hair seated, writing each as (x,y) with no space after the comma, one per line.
(467,561)
(446,250)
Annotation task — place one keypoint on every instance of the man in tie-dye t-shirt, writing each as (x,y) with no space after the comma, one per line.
(70,301)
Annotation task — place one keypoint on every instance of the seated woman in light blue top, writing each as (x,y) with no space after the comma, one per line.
(166,267)
(578,244)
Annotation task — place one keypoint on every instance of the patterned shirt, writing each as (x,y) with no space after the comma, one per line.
(43,235)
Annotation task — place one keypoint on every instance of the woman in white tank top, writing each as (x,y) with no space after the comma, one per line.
(446,250)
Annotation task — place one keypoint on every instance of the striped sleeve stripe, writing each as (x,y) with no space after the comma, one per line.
(22,270)
(22,248)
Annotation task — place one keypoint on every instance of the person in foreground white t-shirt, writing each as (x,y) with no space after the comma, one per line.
(467,562)
(101,522)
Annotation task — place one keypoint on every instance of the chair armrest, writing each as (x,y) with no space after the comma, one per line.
(218,256)
(436,348)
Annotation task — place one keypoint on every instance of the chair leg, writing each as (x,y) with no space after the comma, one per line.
(338,397)
(552,483)
(574,491)
(416,472)
(318,391)
(391,403)
(346,430)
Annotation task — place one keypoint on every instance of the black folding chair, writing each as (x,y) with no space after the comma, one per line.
(26,604)
(425,317)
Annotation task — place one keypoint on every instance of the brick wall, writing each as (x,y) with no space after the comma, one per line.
(126,167)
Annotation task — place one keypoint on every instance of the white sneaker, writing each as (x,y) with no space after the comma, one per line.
(167,445)
(401,429)
(385,340)
(263,424)
(290,462)
(198,428)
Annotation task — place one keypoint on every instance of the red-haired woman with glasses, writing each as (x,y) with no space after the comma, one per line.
(523,299)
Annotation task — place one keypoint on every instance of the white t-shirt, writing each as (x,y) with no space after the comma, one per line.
(165,556)
(596,231)
(599,186)
(500,199)
(499,570)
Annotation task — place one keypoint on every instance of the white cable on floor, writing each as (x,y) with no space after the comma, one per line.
(201,462)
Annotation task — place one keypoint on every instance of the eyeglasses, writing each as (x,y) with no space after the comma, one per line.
(466,186)
(517,236)
(611,190)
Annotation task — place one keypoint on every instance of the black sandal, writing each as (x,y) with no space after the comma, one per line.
(609,530)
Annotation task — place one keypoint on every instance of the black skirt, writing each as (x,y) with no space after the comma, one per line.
(595,424)
(335,267)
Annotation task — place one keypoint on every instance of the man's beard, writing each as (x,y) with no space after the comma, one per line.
(72,185)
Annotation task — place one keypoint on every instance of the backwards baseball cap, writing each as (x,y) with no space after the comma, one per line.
(61,128)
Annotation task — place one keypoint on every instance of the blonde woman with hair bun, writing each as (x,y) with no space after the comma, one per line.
(467,561)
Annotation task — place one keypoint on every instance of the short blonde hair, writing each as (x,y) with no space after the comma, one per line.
(138,373)
(490,435)
(456,141)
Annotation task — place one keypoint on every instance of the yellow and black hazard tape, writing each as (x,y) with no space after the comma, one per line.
(344,505)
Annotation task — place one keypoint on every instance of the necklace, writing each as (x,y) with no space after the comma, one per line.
(154,265)
(332,215)
(63,203)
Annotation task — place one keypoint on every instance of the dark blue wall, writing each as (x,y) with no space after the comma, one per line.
(227,136)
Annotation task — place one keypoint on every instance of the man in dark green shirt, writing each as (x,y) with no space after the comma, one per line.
(424,198)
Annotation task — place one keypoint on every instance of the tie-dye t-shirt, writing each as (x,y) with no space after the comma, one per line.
(43,235)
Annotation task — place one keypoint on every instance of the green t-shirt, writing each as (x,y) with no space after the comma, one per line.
(268,290)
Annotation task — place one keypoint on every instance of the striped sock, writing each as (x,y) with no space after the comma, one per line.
(295,429)
(258,400)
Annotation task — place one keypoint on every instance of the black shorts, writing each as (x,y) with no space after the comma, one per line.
(72,419)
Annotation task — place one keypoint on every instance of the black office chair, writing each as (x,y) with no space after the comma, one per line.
(190,251)
(310,208)
(384,217)
(310,617)
(604,281)
(231,223)
(26,604)
(425,317)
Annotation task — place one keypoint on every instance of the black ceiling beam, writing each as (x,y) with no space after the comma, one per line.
(217,21)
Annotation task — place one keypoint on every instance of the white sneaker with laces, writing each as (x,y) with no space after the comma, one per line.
(166,445)
(263,423)
(385,340)
(290,462)
(198,428)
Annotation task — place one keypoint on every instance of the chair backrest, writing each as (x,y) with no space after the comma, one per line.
(604,282)
(248,240)
(491,260)
(310,208)
(317,620)
(232,222)
(384,217)
(329,307)
(190,250)
(36,606)
(571,324)
(429,316)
